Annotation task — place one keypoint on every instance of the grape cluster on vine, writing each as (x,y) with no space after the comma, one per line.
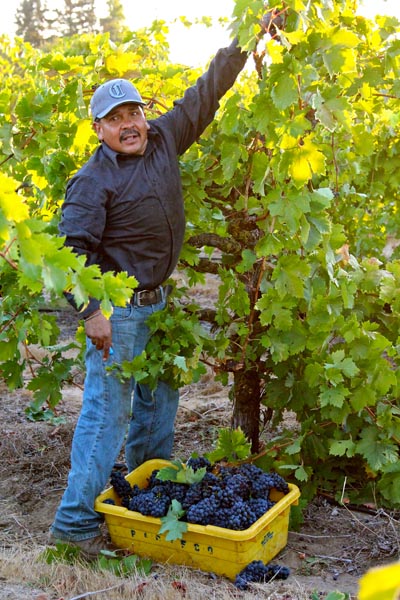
(232,497)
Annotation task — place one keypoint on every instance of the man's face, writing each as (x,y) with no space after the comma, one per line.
(124,129)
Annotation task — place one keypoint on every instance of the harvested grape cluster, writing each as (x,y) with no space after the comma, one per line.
(259,572)
(233,497)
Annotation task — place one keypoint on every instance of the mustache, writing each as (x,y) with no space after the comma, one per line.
(127,133)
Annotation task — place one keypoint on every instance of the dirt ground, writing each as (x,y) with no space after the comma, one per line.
(334,547)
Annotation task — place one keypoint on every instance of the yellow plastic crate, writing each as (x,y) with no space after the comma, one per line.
(212,549)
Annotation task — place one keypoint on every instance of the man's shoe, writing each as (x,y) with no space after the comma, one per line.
(89,549)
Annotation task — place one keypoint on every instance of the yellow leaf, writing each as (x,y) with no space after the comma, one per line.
(294,37)
(307,159)
(287,141)
(83,135)
(314,156)
(366,91)
(275,51)
(297,5)
(350,61)
(120,63)
(345,38)
(300,169)
(37,180)
(381,583)
(12,205)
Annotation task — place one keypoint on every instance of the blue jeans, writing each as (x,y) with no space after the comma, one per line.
(110,410)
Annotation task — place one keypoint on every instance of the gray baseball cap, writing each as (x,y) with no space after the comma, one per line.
(111,94)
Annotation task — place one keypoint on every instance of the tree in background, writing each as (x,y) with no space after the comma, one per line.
(36,23)
(77,17)
(31,22)
(114,22)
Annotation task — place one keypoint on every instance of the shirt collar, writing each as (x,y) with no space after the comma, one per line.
(109,153)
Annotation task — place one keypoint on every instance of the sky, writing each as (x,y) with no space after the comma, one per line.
(192,47)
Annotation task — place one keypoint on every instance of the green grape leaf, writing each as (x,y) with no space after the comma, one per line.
(171,525)
(181,473)
(232,445)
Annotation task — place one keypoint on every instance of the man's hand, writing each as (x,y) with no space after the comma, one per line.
(98,329)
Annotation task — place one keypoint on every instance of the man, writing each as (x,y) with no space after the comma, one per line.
(124,211)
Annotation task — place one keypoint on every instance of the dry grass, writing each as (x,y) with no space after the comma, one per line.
(31,578)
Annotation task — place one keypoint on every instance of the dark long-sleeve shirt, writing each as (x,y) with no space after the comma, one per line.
(125,212)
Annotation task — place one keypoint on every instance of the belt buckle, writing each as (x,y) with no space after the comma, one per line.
(139,297)
(152,296)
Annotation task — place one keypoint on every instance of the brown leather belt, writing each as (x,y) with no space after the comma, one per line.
(147,297)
